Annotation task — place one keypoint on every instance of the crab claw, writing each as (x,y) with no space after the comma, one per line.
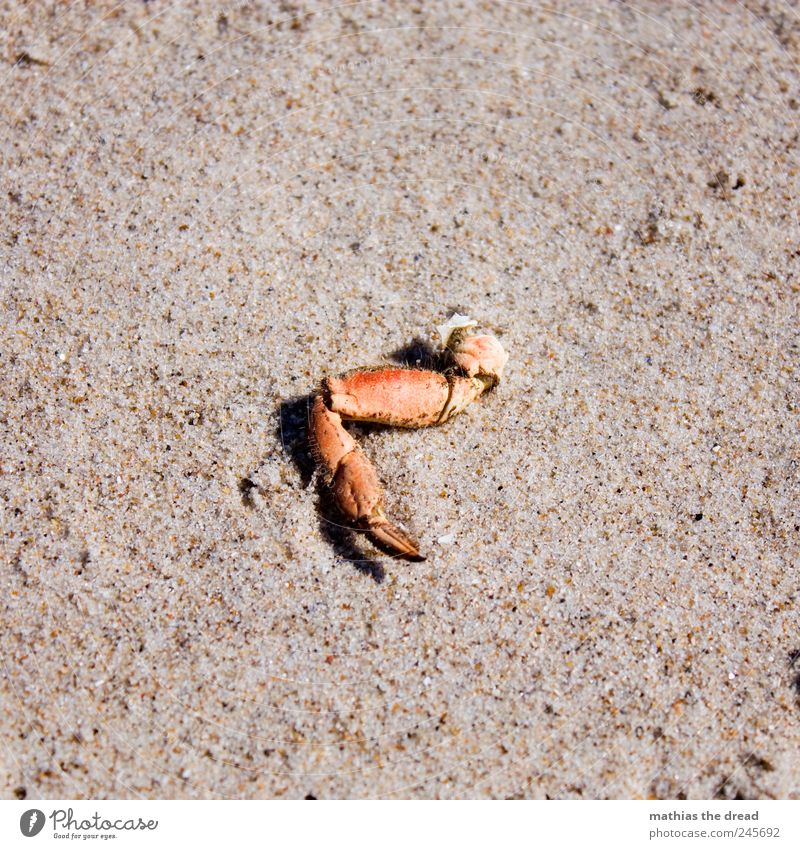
(358,495)
(402,397)
(354,482)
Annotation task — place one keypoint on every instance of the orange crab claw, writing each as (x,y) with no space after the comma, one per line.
(410,398)
(354,482)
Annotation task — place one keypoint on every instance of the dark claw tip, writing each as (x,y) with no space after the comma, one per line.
(416,558)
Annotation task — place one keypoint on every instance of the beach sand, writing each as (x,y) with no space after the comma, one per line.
(209,207)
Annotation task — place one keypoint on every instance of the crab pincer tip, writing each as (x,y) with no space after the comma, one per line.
(393,539)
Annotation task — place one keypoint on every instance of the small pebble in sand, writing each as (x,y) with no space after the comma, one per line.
(447,539)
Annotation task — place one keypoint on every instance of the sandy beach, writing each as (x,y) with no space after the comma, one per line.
(209,207)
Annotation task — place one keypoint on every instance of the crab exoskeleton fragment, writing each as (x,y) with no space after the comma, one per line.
(403,397)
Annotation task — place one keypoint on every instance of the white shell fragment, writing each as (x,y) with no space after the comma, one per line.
(455,322)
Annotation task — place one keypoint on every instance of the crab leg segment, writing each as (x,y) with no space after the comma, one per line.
(401,397)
